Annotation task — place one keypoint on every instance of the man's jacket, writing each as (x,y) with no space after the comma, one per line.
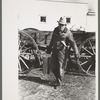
(61,39)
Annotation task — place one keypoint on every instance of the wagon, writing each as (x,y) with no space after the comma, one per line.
(33,42)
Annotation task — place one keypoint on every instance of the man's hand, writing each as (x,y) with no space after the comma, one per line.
(48,50)
(77,58)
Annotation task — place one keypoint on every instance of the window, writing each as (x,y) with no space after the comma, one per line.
(68,20)
(43,19)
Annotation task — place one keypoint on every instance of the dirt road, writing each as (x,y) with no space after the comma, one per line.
(34,86)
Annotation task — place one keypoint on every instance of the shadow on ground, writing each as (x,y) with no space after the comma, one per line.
(38,80)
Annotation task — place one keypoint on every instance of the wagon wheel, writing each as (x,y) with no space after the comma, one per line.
(27,50)
(87,56)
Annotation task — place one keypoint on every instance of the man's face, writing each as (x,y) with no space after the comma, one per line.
(62,26)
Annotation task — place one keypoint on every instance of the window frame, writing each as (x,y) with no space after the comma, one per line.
(69,22)
(45,19)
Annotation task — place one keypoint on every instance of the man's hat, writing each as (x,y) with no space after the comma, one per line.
(62,20)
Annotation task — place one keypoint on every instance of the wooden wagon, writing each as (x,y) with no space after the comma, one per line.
(33,43)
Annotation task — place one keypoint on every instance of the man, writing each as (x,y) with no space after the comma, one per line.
(58,45)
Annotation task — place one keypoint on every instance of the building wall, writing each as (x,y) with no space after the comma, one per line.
(91,24)
(91,3)
(31,10)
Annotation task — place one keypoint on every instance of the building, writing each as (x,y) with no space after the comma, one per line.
(44,14)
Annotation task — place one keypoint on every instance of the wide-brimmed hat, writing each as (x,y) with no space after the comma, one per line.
(62,20)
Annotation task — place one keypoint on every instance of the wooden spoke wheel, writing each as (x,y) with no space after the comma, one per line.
(87,52)
(87,56)
(27,51)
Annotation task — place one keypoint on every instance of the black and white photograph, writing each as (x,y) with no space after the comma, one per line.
(56,51)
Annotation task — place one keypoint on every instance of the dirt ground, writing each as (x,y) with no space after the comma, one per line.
(76,86)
